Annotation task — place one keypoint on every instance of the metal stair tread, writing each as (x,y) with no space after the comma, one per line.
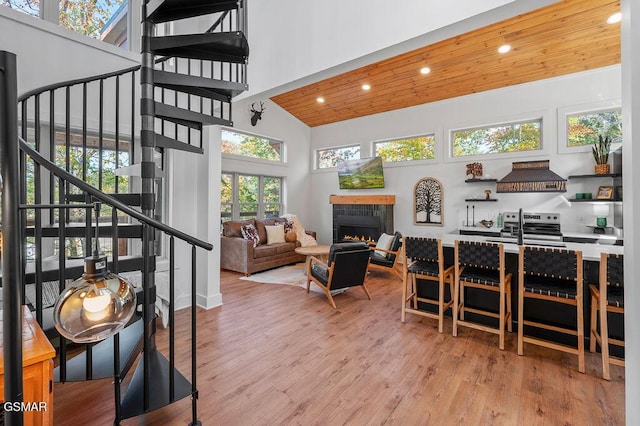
(133,403)
(226,47)
(196,85)
(102,356)
(186,117)
(170,143)
(171,10)
(125,230)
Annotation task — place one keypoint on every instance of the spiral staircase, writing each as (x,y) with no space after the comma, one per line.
(184,83)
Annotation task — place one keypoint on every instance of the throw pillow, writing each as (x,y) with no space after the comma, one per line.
(275,234)
(249,232)
(288,226)
(384,242)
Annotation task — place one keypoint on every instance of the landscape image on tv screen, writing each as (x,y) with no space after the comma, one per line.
(361,173)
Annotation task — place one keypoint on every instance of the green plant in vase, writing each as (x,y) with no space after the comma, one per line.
(601,151)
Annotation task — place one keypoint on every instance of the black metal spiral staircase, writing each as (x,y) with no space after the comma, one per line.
(185,82)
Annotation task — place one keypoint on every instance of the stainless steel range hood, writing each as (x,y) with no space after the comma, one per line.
(531,176)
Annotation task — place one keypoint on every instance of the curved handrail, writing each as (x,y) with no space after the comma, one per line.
(55,86)
(107,199)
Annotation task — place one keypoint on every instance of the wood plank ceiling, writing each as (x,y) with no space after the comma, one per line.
(562,38)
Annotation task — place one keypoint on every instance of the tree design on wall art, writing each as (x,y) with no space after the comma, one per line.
(428,201)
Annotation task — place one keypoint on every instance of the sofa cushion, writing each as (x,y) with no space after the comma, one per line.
(232,228)
(284,247)
(249,232)
(264,251)
(275,234)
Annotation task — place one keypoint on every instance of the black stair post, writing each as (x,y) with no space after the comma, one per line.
(12,277)
(147,141)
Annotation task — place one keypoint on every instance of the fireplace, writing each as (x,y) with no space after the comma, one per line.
(367,228)
(359,216)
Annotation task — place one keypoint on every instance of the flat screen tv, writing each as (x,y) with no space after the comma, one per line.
(361,173)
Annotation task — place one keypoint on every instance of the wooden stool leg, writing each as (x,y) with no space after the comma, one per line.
(580,313)
(509,310)
(593,335)
(520,317)
(460,293)
(441,304)
(404,298)
(604,337)
(502,317)
(456,307)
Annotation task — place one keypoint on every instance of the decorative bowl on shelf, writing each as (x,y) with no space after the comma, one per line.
(486,223)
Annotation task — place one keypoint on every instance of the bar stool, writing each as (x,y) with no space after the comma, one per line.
(607,297)
(481,266)
(553,275)
(424,261)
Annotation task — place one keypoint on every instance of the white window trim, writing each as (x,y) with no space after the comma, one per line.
(235,204)
(588,108)
(283,148)
(316,153)
(436,148)
(543,116)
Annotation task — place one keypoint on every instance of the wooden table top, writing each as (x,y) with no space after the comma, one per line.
(35,345)
(318,250)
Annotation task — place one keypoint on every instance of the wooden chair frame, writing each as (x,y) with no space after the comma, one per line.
(394,268)
(504,314)
(327,288)
(444,275)
(577,302)
(600,306)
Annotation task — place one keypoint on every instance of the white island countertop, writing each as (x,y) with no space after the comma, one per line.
(589,251)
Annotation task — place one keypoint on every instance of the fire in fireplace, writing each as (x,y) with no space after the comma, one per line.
(367,228)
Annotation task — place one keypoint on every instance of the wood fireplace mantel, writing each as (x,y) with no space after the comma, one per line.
(362,199)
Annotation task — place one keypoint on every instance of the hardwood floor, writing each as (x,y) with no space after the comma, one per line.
(275,355)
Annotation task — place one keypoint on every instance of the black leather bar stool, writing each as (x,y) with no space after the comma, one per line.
(481,266)
(424,261)
(607,297)
(554,275)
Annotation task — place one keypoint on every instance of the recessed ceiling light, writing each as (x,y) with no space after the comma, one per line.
(366,87)
(425,70)
(320,99)
(615,18)
(504,48)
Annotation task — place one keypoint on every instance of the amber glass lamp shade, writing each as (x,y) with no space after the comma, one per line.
(95,306)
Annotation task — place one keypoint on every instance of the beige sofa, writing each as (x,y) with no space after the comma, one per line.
(238,254)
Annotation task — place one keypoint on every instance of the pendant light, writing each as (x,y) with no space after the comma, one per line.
(97,305)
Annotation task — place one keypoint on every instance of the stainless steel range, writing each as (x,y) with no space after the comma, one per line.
(535,226)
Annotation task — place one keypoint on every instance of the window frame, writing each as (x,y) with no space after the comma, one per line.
(283,148)
(517,119)
(316,157)
(589,108)
(436,150)
(235,204)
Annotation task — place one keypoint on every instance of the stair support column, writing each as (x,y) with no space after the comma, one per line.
(147,142)
(12,277)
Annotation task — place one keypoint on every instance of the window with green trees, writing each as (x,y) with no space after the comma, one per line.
(407,149)
(253,146)
(584,128)
(510,137)
(106,20)
(328,158)
(249,196)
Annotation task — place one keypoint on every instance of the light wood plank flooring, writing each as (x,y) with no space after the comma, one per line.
(274,355)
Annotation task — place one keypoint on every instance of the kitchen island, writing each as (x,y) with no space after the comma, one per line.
(538,310)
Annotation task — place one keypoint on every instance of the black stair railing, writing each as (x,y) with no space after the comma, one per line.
(156,388)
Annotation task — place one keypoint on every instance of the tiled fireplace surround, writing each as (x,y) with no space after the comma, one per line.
(368,215)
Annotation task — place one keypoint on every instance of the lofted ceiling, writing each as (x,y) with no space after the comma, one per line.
(562,38)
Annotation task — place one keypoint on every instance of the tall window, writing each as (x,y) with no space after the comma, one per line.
(250,196)
(251,146)
(584,128)
(106,20)
(509,137)
(328,158)
(408,149)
